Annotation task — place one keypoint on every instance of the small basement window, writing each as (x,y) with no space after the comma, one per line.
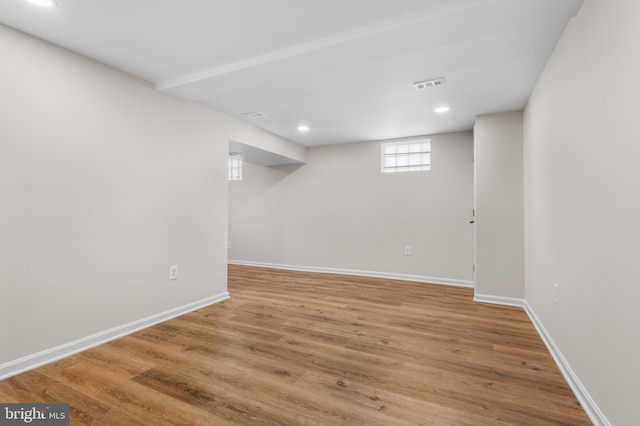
(407,156)
(235,166)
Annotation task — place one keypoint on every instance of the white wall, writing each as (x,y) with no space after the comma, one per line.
(104,184)
(499,206)
(582,202)
(339,211)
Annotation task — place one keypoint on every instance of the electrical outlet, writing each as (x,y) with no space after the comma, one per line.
(173,272)
(556,293)
(407,250)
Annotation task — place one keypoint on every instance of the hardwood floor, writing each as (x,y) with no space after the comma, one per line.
(313,349)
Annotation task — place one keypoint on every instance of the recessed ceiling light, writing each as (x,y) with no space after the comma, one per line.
(43,3)
(303,128)
(442,109)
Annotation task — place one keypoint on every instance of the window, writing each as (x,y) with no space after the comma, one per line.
(235,167)
(408,156)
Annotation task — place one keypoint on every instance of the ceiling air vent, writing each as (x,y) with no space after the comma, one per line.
(256,114)
(421,85)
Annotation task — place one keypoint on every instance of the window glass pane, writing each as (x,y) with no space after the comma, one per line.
(406,156)
(235,169)
(415,159)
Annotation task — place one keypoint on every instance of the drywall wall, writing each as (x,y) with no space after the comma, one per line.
(499,206)
(582,202)
(104,184)
(339,211)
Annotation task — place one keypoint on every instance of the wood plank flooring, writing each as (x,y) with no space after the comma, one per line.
(293,348)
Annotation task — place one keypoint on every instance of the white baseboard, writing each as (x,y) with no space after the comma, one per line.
(389,275)
(588,404)
(498,300)
(54,354)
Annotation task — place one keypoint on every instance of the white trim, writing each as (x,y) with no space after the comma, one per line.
(474,225)
(390,275)
(54,354)
(498,300)
(588,404)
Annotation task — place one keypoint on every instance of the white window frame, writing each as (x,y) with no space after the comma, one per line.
(406,156)
(235,167)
